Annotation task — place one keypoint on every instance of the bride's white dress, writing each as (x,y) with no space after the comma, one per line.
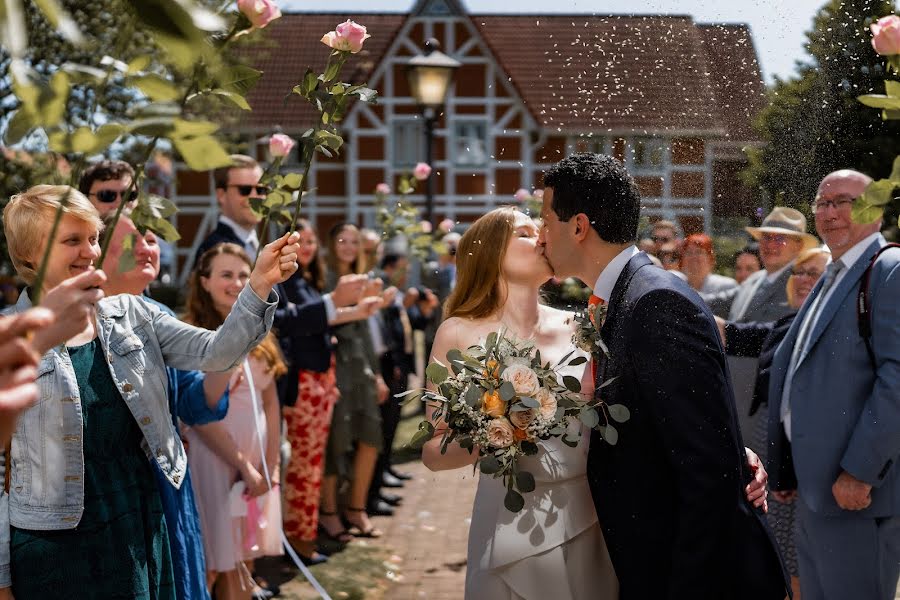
(553,548)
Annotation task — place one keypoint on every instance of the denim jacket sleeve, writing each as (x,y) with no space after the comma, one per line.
(5,576)
(190,403)
(188,347)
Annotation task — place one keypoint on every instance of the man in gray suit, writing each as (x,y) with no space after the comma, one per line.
(762,296)
(835,413)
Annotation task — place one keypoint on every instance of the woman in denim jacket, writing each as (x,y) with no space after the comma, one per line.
(82,518)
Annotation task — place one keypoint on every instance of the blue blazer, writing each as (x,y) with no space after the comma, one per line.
(844,415)
(301,325)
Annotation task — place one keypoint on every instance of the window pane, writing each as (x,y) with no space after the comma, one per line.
(470,143)
(408,143)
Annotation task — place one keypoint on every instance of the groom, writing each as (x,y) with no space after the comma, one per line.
(670,495)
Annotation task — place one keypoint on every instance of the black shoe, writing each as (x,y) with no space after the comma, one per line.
(380,508)
(392,499)
(398,474)
(388,480)
(316,559)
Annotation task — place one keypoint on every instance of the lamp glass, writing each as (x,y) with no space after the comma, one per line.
(429,84)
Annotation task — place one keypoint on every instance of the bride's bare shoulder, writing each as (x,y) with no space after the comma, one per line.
(458,332)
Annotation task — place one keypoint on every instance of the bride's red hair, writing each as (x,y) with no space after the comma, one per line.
(478,293)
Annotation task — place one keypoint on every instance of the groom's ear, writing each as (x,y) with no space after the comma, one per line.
(582,226)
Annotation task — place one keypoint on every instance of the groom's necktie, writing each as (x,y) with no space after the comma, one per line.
(595,302)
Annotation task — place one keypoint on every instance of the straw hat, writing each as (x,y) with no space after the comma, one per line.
(785,221)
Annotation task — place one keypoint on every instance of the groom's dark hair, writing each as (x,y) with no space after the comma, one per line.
(600,187)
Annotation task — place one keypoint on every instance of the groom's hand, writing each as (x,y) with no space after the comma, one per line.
(756,490)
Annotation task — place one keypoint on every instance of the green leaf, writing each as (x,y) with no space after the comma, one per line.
(892,88)
(138,64)
(525,481)
(52,100)
(84,74)
(489,464)
(239,79)
(292,181)
(589,417)
(578,360)
(878,193)
(473,396)
(332,71)
(529,402)
(185,129)
(610,435)
(529,448)
(309,83)
(233,97)
(619,413)
(422,435)
(514,502)
(329,139)
(155,87)
(18,127)
(61,20)
(880,101)
(152,126)
(895,172)
(202,153)
(866,214)
(365,94)
(507,391)
(572,384)
(127,261)
(436,373)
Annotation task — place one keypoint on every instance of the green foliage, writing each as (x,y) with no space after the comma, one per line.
(814,124)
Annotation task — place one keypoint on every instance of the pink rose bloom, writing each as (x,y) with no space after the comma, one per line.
(500,433)
(539,194)
(886,35)
(383,189)
(346,37)
(524,380)
(548,403)
(425,226)
(280,145)
(260,12)
(522,418)
(447,225)
(422,171)
(522,195)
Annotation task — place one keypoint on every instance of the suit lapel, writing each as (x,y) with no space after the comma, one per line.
(743,300)
(844,287)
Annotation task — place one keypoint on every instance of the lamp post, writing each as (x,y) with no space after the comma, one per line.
(429,79)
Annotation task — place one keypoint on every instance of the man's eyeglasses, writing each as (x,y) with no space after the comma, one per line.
(110,196)
(774,238)
(661,239)
(839,204)
(245,190)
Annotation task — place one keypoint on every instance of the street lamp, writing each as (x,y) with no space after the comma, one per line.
(429,79)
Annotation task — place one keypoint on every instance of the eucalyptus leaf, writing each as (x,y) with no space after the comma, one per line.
(529,402)
(589,417)
(424,433)
(525,481)
(529,448)
(514,502)
(610,435)
(507,391)
(489,464)
(572,383)
(619,413)
(436,373)
(473,395)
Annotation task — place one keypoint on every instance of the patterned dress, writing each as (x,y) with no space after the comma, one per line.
(120,548)
(308,424)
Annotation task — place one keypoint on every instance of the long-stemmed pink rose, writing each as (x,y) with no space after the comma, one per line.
(886,35)
(260,12)
(346,37)
(280,145)
(422,171)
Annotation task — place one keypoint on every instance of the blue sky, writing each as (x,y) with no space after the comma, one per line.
(778,25)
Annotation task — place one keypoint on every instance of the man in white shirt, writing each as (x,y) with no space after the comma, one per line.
(834,415)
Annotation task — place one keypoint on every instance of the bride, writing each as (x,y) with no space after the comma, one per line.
(554,547)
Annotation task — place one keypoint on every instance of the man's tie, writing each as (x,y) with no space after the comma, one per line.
(594,302)
(809,319)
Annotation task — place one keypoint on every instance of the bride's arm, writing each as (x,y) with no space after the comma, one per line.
(455,457)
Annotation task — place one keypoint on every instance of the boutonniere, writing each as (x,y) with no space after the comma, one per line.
(587,335)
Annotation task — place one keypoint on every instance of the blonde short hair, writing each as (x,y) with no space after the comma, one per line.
(28,218)
(805,256)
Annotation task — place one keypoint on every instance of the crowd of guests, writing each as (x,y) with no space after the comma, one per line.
(268,407)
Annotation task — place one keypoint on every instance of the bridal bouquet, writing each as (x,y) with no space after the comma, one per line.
(502,399)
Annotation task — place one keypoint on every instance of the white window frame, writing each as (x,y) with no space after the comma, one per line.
(459,152)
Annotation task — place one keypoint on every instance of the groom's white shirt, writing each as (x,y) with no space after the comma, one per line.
(607,281)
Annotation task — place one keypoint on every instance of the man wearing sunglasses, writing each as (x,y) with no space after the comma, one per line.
(107,183)
(235,185)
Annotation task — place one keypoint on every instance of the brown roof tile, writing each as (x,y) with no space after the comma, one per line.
(576,73)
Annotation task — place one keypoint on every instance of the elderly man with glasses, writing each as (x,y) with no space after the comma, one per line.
(834,396)
(235,185)
(763,296)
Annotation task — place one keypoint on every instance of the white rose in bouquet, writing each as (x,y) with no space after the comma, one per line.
(524,380)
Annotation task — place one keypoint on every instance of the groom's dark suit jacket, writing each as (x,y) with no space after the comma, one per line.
(670,495)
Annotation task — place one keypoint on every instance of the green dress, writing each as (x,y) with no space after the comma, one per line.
(120,548)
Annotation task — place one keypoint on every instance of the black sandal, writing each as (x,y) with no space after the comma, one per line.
(356,531)
(341,537)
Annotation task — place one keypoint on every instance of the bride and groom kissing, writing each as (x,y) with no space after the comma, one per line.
(675,509)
